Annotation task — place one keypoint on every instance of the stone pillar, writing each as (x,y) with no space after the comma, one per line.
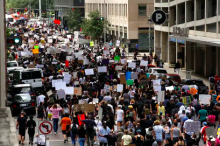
(208,61)
(3,74)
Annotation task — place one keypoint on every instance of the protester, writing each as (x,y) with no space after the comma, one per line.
(55,109)
(81,135)
(31,124)
(21,125)
(65,123)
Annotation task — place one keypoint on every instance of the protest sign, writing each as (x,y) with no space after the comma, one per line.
(128,75)
(74,74)
(204,98)
(160,95)
(122,79)
(117,58)
(152,77)
(118,67)
(89,72)
(80,61)
(170,88)
(102,69)
(78,90)
(144,63)
(156,82)
(61,94)
(134,75)
(131,64)
(60,85)
(193,91)
(143,76)
(129,82)
(49,93)
(119,88)
(210,131)
(192,126)
(187,100)
(85,61)
(157,88)
(31,66)
(123,61)
(95,100)
(89,108)
(69,58)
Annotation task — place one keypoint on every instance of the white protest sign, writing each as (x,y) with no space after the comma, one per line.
(192,126)
(118,67)
(102,69)
(132,65)
(89,71)
(68,36)
(60,85)
(156,82)
(157,88)
(49,93)
(106,52)
(50,41)
(117,43)
(119,87)
(69,58)
(86,61)
(161,95)
(134,75)
(95,100)
(144,63)
(123,61)
(204,98)
(61,94)
(69,90)
(67,78)
(170,88)
(66,41)
(74,74)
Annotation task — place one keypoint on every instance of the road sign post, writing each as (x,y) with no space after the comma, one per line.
(45,127)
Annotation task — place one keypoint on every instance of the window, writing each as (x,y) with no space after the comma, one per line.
(12,64)
(22,90)
(24,97)
(142,10)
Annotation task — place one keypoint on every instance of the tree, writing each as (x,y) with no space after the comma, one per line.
(94,25)
(74,19)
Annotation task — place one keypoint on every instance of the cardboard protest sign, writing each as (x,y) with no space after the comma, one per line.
(119,87)
(204,98)
(31,66)
(79,107)
(144,63)
(80,61)
(122,79)
(131,64)
(102,69)
(89,72)
(143,76)
(152,77)
(130,82)
(61,94)
(134,75)
(192,126)
(49,93)
(78,90)
(170,88)
(210,131)
(187,100)
(89,108)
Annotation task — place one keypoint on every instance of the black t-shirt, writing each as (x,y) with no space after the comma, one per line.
(81,133)
(149,123)
(22,122)
(111,139)
(216,114)
(148,142)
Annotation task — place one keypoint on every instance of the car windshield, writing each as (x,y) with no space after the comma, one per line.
(11,64)
(24,97)
(22,90)
(160,71)
(194,82)
(174,77)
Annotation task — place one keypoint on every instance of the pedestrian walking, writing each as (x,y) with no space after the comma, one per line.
(40,111)
(21,126)
(31,124)
(81,135)
(55,109)
(65,126)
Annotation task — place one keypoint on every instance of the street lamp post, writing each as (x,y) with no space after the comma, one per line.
(149,20)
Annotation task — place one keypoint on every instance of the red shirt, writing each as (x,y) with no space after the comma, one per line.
(204,133)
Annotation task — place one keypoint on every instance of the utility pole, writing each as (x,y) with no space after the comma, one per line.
(39,8)
(104,22)
(149,20)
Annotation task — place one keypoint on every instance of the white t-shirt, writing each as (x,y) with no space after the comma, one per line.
(119,113)
(126,139)
(111,107)
(40,99)
(107,98)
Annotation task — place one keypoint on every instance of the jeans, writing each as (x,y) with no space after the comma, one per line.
(90,135)
(82,141)
(55,124)
(73,136)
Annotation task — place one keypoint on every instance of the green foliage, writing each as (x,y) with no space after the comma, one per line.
(94,26)
(10,4)
(74,19)
(8,30)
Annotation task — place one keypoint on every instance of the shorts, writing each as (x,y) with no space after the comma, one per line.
(64,131)
(49,115)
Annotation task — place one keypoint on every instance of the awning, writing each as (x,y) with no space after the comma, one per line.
(198,39)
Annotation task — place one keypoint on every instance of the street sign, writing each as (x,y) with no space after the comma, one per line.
(159,17)
(45,127)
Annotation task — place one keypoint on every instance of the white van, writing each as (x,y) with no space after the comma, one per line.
(31,76)
(159,72)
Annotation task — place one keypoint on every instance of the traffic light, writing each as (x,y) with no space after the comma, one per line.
(15,40)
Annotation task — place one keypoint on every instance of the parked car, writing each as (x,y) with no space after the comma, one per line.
(23,89)
(12,64)
(22,102)
(10,74)
(159,72)
(174,77)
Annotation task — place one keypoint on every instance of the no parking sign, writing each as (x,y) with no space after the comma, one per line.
(45,127)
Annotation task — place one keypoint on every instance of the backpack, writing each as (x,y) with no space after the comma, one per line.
(74,129)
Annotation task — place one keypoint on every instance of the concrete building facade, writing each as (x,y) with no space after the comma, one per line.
(190,34)
(128,19)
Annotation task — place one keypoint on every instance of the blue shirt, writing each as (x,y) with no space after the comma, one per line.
(103,132)
(137,46)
